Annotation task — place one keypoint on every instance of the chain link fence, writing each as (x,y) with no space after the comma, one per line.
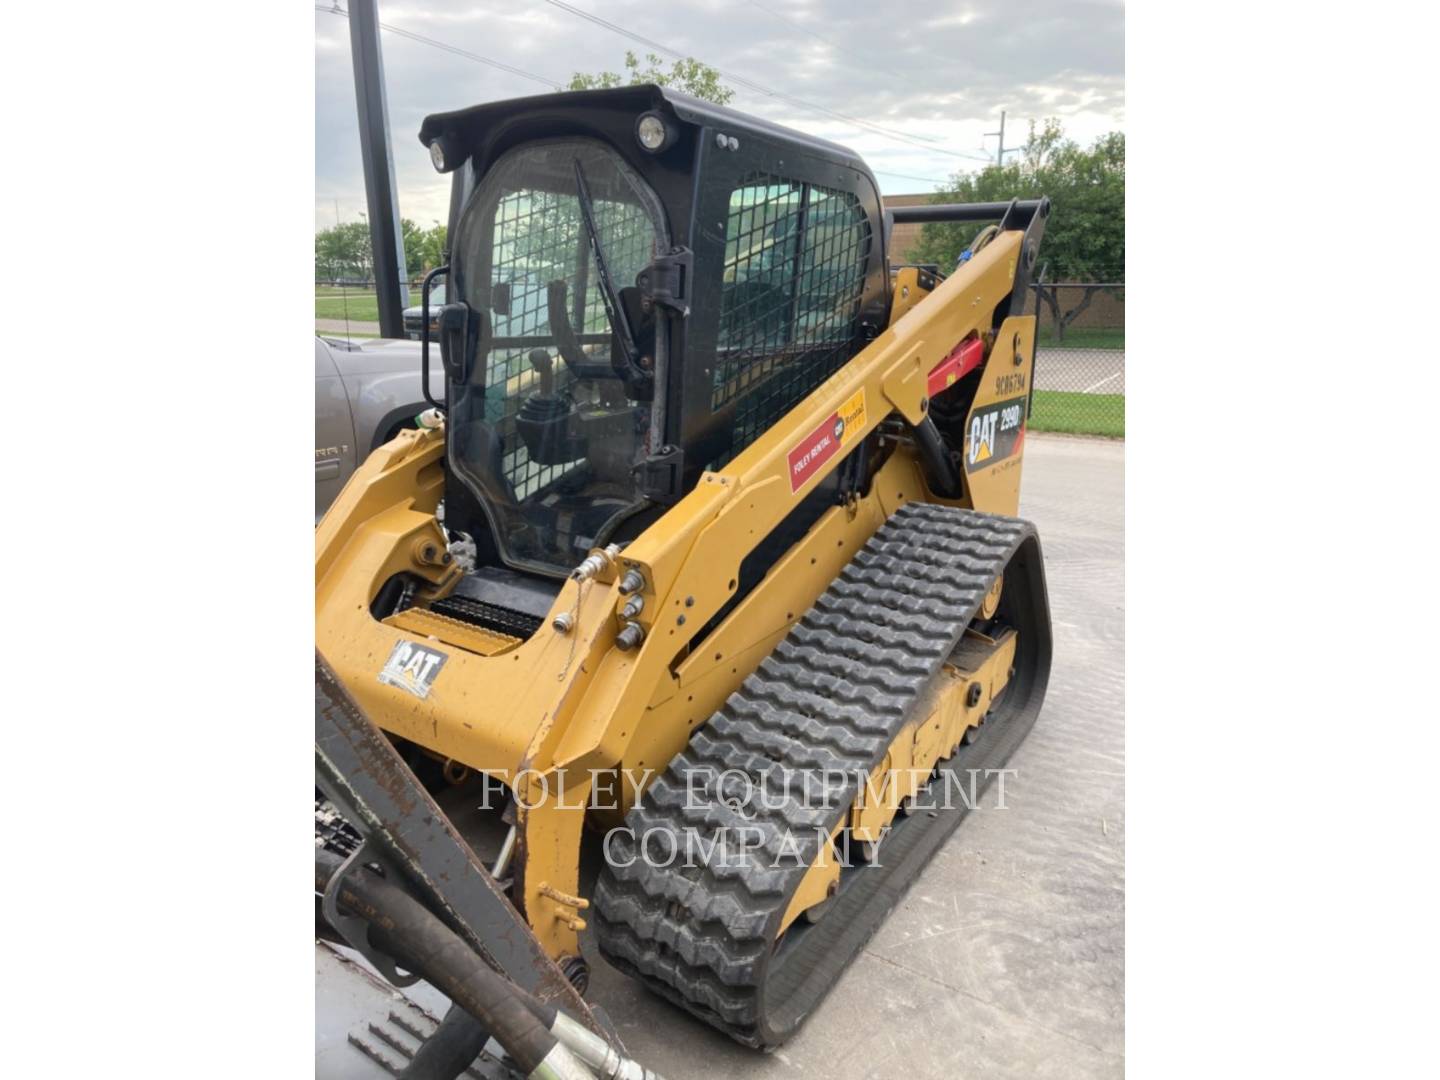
(1079,358)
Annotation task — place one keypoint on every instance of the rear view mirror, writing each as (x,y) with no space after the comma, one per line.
(461,330)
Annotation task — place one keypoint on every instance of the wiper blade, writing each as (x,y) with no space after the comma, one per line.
(619,322)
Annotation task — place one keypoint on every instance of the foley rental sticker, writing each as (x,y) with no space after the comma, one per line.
(412,668)
(842,426)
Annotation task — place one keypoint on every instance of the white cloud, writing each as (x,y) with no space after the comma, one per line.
(941,82)
(958,18)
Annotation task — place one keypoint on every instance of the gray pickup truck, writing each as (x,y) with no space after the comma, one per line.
(365,392)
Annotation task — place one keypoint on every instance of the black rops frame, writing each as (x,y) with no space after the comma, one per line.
(693,178)
(1027,214)
(788,157)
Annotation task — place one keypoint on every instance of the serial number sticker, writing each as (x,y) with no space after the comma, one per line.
(412,668)
(842,426)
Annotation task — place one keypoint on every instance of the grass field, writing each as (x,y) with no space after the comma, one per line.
(1078,414)
(1082,337)
(331,303)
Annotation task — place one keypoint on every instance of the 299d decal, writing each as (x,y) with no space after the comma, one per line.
(995,433)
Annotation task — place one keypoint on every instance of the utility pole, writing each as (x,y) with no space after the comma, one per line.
(1001,152)
(387,242)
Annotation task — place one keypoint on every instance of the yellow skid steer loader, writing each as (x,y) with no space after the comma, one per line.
(704,563)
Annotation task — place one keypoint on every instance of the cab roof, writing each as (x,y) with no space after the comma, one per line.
(480,128)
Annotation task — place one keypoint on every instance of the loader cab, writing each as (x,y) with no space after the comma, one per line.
(641,283)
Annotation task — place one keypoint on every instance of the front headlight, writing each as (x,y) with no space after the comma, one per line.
(653,133)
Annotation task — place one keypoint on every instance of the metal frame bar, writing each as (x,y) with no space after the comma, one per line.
(361,772)
(992,211)
(387,243)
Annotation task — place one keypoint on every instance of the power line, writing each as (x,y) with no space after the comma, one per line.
(918,141)
(761,89)
(907,176)
(806,30)
(866,60)
(1001,151)
(422,39)
(948,61)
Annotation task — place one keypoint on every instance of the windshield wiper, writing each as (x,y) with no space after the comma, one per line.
(614,311)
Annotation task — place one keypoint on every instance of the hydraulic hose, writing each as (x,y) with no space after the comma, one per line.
(404,929)
(450,1049)
(940,471)
(401,927)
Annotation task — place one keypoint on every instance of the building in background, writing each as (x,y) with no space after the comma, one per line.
(904,238)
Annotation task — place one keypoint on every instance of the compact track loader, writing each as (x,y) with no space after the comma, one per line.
(704,566)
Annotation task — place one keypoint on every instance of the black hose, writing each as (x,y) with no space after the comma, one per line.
(450,1050)
(404,929)
(940,471)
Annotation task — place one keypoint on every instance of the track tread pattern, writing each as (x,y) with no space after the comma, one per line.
(831,696)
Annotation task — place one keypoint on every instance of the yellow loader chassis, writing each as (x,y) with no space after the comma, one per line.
(572,701)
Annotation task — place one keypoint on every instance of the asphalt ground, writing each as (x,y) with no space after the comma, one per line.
(1006,956)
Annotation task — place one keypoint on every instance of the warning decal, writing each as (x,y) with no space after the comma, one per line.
(841,427)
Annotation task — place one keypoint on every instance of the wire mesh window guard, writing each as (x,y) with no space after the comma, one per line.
(793,277)
(552,484)
(539,237)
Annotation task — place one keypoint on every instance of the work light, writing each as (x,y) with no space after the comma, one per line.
(653,133)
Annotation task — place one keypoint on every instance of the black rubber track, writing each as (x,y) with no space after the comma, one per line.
(786,755)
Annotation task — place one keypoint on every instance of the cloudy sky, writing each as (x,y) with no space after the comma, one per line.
(933,83)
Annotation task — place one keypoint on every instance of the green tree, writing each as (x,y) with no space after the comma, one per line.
(410,241)
(343,251)
(429,246)
(688,75)
(1085,235)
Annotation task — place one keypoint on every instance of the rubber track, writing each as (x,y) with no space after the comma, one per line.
(832,696)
